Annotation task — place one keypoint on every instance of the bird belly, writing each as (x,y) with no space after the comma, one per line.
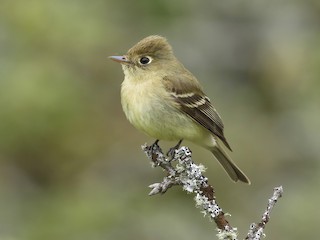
(156,116)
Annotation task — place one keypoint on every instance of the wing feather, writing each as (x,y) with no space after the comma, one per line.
(193,102)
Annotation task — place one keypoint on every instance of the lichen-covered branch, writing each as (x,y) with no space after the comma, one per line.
(256,229)
(181,170)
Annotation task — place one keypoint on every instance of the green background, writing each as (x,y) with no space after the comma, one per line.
(71,166)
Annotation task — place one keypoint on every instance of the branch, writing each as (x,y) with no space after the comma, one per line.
(189,176)
(256,229)
(183,171)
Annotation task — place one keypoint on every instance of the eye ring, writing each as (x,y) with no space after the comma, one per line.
(145,60)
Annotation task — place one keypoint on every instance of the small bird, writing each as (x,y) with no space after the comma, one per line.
(161,98)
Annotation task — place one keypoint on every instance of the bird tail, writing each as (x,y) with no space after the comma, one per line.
(229,166)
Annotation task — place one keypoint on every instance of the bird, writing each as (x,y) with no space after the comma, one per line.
(163,99)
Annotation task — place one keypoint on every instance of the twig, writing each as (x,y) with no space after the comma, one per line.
(256,229)
(183,171)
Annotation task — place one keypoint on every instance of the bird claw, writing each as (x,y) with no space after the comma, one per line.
(155,145)
(172,151)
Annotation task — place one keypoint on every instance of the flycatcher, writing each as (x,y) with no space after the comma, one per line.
(160,97)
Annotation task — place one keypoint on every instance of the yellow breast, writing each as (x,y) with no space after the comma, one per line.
(152,110)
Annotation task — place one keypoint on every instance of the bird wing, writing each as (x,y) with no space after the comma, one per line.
(192,101)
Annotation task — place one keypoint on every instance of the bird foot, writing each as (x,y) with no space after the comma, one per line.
(155,144)
(172,151)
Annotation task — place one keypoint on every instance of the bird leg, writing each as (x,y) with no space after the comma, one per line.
(172,150)
(155,144)
(153,148)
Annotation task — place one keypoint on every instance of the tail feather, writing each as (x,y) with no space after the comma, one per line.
(229,166)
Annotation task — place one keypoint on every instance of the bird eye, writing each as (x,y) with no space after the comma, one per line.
(145,60)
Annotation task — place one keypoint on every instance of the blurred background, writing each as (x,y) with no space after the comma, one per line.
(71,166)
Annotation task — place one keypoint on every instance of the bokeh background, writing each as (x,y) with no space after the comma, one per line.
(71,166)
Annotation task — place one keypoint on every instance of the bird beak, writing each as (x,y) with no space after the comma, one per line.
(119,59)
